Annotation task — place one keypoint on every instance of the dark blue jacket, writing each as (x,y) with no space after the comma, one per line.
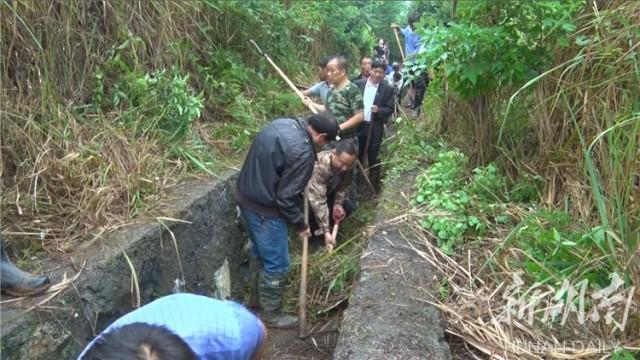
(277,170)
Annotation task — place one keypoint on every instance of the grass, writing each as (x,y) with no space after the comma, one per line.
(331,276)
(568,212)
(107,107)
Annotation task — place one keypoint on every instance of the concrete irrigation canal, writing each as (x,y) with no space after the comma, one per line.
(198,246)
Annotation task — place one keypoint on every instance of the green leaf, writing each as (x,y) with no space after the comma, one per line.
(582,40)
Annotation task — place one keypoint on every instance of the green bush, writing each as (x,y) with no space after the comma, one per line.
(445,192)
(160,103)
(487,183)
(554,248)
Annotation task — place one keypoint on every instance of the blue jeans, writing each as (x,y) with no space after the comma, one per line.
(270,242)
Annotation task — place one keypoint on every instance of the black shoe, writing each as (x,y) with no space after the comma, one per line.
(16,282)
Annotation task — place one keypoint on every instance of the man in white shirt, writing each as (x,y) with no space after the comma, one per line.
(378,100)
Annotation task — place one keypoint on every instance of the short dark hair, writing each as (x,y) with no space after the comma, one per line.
(324,61)
(341,62)
(345,146)
(140,341)
(365,57)
(377,64)
(414,17)
(324,123)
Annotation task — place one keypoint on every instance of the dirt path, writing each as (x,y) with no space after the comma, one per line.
(285,344)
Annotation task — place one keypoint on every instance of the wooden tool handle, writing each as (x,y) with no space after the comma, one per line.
(334,233)
(395,31)
(285,77)
(302,299)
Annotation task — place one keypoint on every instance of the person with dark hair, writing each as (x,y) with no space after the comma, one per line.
(269,193)
(344,101)
(328,193)
(320,89)
(381,51)
(396,80)
(365,68)
(413,46)
(181,327)
(140,341)
(411,37)
(16,282)
(388,68)
(378,99)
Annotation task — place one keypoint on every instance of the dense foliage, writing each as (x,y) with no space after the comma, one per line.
(541,101)
(107,106)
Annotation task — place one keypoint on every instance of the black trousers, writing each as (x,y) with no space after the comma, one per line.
(377,133)
(420,85)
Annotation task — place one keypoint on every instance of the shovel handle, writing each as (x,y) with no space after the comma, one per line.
(302,296)
(334,233)
(395,32)
(284,77)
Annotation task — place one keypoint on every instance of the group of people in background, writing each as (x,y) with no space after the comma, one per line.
(288,158)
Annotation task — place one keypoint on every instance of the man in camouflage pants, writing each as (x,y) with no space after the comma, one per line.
(328,197)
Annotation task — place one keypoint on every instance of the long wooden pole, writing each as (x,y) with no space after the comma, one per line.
(395,31)
(301,96)
(302,298)
(286,79)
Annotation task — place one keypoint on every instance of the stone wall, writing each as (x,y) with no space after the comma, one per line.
(61,327)
(387,317)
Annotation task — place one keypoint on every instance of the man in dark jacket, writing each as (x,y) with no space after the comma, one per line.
(365,68)
(270,194)
(378,99)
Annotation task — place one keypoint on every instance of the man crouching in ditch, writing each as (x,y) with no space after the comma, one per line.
(328,192)
(270,195)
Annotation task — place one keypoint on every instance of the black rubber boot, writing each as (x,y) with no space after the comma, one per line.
(16,282)
(255,265)
(271,292)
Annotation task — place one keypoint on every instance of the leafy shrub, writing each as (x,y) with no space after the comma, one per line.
(160,103)
(444,191)
(553,248)
(526,189)
(487,184)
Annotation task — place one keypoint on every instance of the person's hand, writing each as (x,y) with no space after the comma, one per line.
(374,108)
(304,233)
(395,26)
(338,213)
(307,101)
(329,241)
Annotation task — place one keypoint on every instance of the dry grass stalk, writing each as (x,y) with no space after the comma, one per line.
(51,293)
(476,307)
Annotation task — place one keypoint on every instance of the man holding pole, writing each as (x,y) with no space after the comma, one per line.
(345,104)
(378,106)
(412,46)
(270,194)
(320,89)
